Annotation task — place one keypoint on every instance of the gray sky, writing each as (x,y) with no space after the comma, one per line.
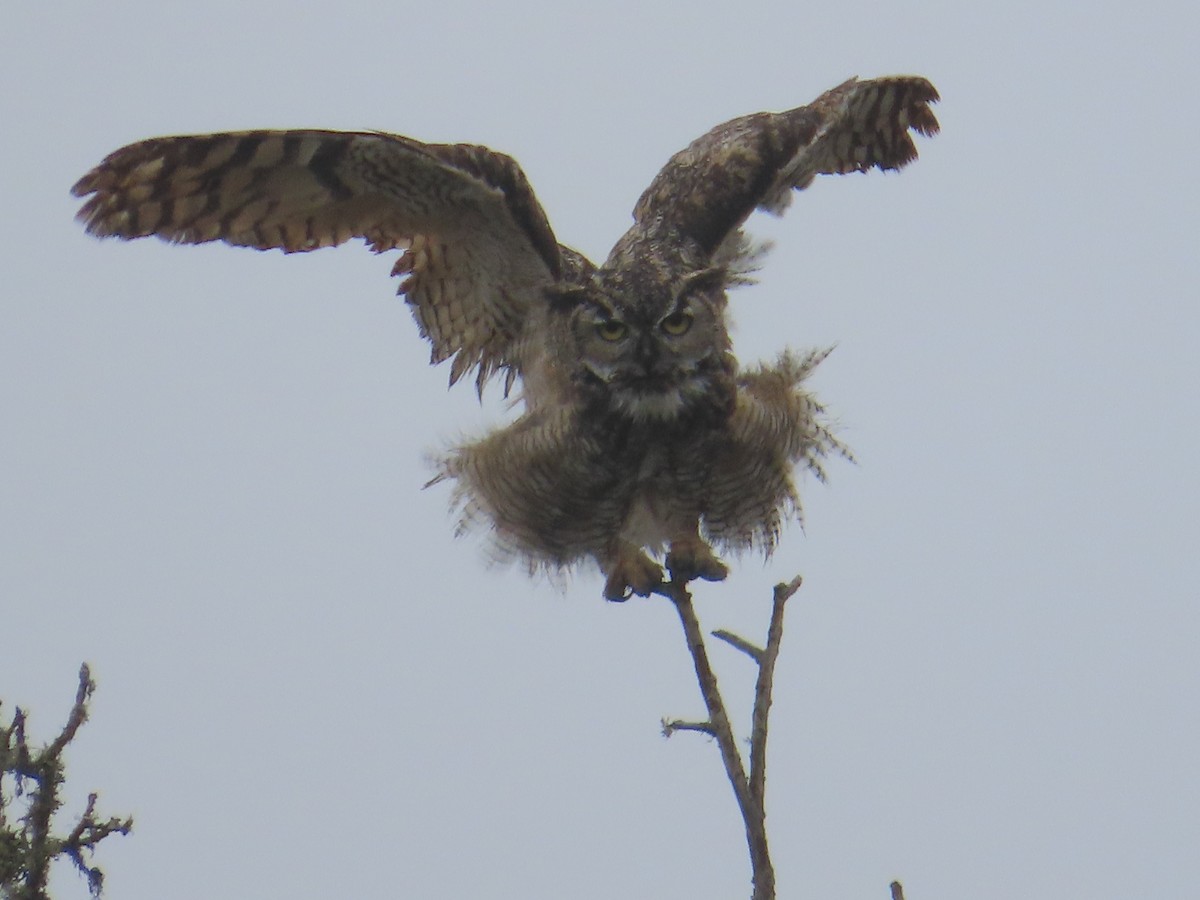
(211,465)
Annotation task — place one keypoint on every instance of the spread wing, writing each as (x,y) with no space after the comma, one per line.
(479,250)
(707,190)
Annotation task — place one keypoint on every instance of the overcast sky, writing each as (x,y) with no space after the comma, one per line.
(211,464)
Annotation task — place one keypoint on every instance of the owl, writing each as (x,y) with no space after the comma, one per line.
(639,437)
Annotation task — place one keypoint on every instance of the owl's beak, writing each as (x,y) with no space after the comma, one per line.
(646,353)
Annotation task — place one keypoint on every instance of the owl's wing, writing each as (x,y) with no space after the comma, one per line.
(479,250)
(707,190)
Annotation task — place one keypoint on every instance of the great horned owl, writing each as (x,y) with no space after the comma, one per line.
(639,431)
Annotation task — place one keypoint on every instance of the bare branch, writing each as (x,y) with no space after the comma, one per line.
(897,891)
(784,592)
(670,726)
(762,692)
(739,643)
(751,808)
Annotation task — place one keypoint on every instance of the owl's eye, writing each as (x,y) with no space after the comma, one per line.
(612,330)
(677,323)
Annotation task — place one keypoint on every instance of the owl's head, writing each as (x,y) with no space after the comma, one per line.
(648,345)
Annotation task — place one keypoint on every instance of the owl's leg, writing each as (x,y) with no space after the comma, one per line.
(690,557)
(629,570)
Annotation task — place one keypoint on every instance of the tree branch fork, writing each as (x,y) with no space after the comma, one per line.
(749,788)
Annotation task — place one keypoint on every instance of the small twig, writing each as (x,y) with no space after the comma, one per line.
(670,726)
(897,891)
(739,643)
(85,835)
(18,764)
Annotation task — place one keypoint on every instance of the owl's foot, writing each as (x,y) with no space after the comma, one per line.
(631,572)
(692,558)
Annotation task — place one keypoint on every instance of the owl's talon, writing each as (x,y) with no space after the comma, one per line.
(692,558)
(632,573)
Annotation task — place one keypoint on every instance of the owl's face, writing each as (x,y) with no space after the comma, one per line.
(652,346)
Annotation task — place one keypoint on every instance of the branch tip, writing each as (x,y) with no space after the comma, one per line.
(783,591)
(670,726)
(739,643)
(78,716)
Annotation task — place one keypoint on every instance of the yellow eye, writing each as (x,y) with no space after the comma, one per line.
(612,330)
(677,323)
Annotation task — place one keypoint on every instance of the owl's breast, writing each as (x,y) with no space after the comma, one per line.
(665,488)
